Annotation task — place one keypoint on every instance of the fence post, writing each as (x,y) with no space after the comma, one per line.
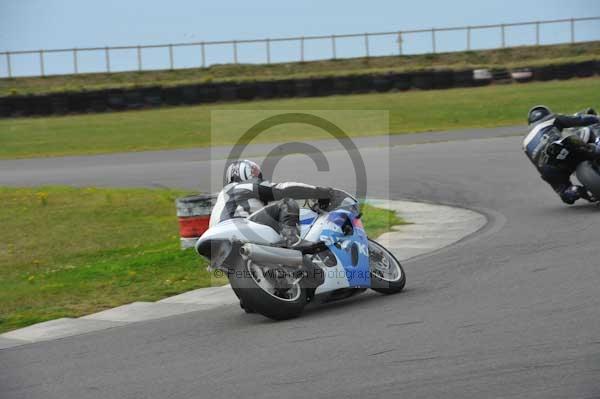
(171,62)
(572,30)
(399,43)
(333,49)
(503,33)
(203,55)
(42,71)
(367,45)
(139,58)
(8,66)
(107,58)
(433,46)
(235,55)
(302,49)
(268,45)
(537,33)
(468,38)
(75,66)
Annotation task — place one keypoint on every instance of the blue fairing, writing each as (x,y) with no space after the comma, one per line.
(352,251)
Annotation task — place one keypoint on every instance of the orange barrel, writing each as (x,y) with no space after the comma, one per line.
(193,213)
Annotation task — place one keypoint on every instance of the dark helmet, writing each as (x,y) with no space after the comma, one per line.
(590,111)
(538,113)
(240,171)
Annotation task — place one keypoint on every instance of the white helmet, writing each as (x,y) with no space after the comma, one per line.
(240,171)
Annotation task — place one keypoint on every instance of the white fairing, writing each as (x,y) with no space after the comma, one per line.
(248,231)
(307,219)
(243,230)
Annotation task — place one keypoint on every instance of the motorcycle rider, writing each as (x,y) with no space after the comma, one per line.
(245,192)
(550,152)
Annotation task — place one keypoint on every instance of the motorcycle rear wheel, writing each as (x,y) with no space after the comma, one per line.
(589,175)
(248,284)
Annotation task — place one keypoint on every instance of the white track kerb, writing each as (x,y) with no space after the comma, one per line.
(433,227)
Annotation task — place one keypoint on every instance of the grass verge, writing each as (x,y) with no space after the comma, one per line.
(501,58)
(67,252)
(186,127)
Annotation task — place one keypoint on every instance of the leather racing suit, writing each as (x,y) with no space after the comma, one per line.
(557,162)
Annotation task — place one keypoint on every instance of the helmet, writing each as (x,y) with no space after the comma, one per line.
(591,111)
(240,171)
(538,113)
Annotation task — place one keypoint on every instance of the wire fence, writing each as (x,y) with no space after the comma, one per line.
(394,39)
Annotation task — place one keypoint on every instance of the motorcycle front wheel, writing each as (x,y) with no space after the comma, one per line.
(273,292)
(387,274)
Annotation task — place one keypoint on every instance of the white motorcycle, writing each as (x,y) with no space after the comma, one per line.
(335,260)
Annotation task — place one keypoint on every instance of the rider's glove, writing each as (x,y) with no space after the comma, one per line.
(324,197)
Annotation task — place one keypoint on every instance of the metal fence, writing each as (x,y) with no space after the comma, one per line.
(399,38)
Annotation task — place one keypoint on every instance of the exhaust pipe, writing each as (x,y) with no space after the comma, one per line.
(272,255)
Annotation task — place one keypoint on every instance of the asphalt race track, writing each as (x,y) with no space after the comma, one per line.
(513,311)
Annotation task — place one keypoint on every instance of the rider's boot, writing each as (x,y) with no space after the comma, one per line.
(289,220)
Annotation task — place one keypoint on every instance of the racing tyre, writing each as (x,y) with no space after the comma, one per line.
(263,291)
(588,174)
(387,274)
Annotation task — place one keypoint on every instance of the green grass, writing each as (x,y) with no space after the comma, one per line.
(509,58)
(185,127)
(378,221)
(67,252)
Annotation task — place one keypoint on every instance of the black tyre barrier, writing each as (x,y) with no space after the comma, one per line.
(23,106)
(152,96)
(133,99)
(303,88)
(172,96)
(80,103)
(343,84)
(266,90)
(189,94)
(543,73)
(383,83)
(566,71)
(6,108)
(98,103)
(59,104)
(463,78)
(247,91)
(122,99)
(501,75)
(552,72)
(285,88)
(423,80)
(442,79)
(402,81)
(115,100)
(228,92)
(585,69)
(41,106)
(323,87)
(208,93)
(363,84)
